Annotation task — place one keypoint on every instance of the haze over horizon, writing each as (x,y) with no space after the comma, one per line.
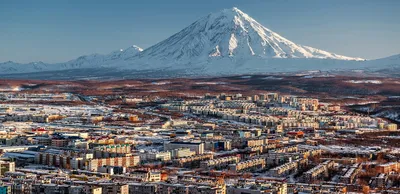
(57,32)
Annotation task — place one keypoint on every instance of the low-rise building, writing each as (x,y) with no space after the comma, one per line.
(196,146)
(219,163)
(249,165)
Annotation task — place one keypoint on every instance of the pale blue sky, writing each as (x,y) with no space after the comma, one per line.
(57,31)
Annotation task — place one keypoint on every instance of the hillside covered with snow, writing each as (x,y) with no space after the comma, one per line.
(221,43)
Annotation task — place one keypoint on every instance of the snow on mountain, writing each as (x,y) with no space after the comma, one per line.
(86,61)
(388,65)
(12,67)
(225,42)
(230,33)
(97,60)
(391,60)
(125,53)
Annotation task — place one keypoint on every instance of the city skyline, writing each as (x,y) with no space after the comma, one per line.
(199,97)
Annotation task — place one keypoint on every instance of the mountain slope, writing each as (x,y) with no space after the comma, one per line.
(221,43)
(85,61)
(230,33)
(97,60)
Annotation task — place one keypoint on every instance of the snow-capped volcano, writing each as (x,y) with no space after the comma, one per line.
(230,33)
(222,43)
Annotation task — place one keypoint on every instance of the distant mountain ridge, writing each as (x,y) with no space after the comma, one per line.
(221,43)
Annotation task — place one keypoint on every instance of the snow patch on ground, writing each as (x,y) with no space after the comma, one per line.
(246,77)
(210,83)
(273,78)
(160,83)
(364,81)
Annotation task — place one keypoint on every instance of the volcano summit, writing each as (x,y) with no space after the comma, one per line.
(222,43)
